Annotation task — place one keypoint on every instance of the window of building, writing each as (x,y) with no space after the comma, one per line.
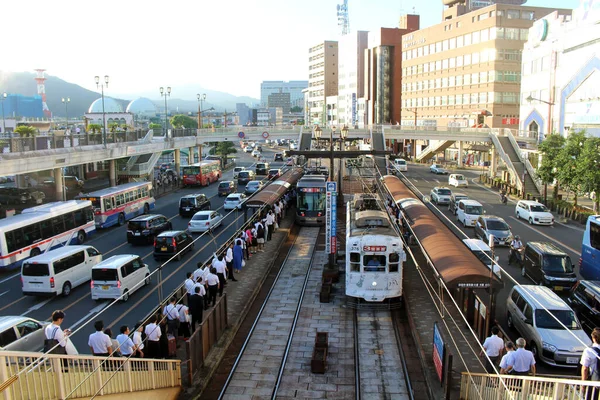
(458,99)
(513,14)
(483,97)
(499,32)
(419,102)
(491,97)
(500,13)
(459,42)
(492,14)
(475,58)
(425,50)
(438,47)
(404,56)
(444,100)
(467,59)
(437,101)
(438,83)
(459,80)
(452,62)
(432,66)
(467,39)
(431,101)
(459,61)
(485,35)
(426,67)
(499,76)
(445,45)
(475,78)
(467,79)
(413,87)
(451,81)
(452,43)
(431,84)
(466,98)
(420,52)
(420,85)
(420,69)
(451,100)
(432,48)
(483,16)
(438,65)
(512,76)
(511,33)
(491,76)
(445,63)
(510,98)
(524,34)
(475,37)
(444,82)
(492,34)
(413,69)
(483,77)
(414,53)
(474,98)
(458,24)
(484,56)
(404,71)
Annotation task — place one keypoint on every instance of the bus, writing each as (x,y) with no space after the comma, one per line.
(310,200)
(589,263)
(118,204)
(42,228)
(203,173)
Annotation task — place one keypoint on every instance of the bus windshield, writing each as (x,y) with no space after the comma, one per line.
(188,170)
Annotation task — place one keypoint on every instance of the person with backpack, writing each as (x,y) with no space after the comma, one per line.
(56,342)
(260,236)
(590,364)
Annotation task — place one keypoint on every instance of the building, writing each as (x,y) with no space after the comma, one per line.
(111,112)
(466,71)
(276,116)
(294,88)
(19,106)
(263,117)
(244,114)
(280,100)
(472,5)
(331,107)
(322,79)
(351,75)
(560,88)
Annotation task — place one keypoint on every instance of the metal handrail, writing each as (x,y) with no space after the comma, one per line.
(506,159)
(525,161)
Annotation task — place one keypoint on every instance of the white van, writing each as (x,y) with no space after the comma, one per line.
(468,211)
(400,165)
(484,253)
(457,180)
(58,271)
(119,276)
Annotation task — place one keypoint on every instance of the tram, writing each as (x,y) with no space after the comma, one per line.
(374,252)
(310,200)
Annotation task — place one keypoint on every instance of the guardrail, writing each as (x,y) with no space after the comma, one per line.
(62,376)
(490,387)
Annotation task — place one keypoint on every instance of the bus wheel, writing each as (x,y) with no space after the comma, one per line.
(146,208)
(80,237)
(121,219)
(34,252)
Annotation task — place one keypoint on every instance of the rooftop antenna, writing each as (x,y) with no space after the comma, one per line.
(343,18)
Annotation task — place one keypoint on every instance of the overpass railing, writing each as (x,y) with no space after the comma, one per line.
(80,376)
(530,170)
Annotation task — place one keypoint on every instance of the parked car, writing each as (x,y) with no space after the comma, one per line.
(204,221)
(253,186)
(274,173)
(226,188)
(192,203)
(454,199)
(584,299)
(468,211)
(457,180)
(18,333)
(278,157)
(246,176)
(171,243)
(145,227)
(237,170)
(491,225)
(262,168)
(548,265)
(528,309)
(440,195)
(13,195)
(534,212)
(438,169)
(235,200)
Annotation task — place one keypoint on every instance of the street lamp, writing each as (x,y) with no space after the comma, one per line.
(201,99)
(318,132)
(66,102)
(166,94)
(102,85)
(530,99)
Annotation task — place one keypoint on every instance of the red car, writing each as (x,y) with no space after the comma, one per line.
(274,173)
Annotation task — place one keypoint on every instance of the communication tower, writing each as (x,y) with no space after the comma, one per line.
(41,89)
(343,18)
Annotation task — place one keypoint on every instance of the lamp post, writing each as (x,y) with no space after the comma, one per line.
(331,153)
(201,99)
(550,104)
(102,85)
(166,94)
(343,136)
(4,96)
(66,101)
(318,133)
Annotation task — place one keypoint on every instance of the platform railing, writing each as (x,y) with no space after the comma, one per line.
(81,376)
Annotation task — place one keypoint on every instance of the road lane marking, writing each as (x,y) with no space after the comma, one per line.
(38,306)
(546,236)
(2,294)
(93,311)
(9,278)
(14,302)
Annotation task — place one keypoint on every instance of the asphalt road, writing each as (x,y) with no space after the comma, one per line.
(566,236)
(81,309)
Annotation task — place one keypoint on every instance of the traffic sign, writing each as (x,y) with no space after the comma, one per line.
(265,134)
(241,135)
(332,186)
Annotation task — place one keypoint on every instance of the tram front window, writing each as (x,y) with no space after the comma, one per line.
(311,201)
(374,263)
(394,261)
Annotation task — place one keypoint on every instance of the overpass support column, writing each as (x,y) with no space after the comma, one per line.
(58,184)
(112,173)
(191,158)
(460,153)
(493,163)
(177,160)
(199,152)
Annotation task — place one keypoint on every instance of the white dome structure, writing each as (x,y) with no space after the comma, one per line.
(142,107)
(110,106)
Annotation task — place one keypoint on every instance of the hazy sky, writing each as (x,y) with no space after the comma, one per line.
(225,45)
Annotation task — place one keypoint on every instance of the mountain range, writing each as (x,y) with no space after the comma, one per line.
(24,83)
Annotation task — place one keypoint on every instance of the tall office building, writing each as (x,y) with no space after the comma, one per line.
(294,88)
(466,71)
(322,79)
(351,75)
(281,100)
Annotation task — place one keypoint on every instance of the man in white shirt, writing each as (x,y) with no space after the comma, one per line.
(189,285)
(125,343)
(510,348)
(521,362)
(153,336)
(270,223)
(515,246)
(229,262)
(172,314)
(493,347)
(184,325)
(589,359)
(100,342)
(221,269)
(213,286)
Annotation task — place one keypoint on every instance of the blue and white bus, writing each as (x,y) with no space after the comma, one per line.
(589,263)
(118,204)
(44,227)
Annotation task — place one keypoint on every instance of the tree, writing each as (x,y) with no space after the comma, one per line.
(550,149)
(223,149)
(154,126)
(568,159)
(113,127)
(94,128)
(588,168)
(26,131)
(296,109)
(183,121)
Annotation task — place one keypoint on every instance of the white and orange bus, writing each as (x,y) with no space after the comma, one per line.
(202,174)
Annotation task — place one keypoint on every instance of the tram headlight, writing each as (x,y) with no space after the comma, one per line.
(374,284)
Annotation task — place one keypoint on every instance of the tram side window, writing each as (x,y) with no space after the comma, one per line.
(595,235)
(354,262)
(394,259)
(374,262)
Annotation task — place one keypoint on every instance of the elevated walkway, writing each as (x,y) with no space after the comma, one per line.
(139,166)
(433,149)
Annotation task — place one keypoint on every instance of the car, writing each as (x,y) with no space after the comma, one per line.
(546,264)
(440,195)
(457,180)
(278,157)
(255,153)
(584,299)
(226,188)
(258,148)
(438,169)
(171,243)
(484,253)
(21,333)
(145,227)
(262,168)
(233,201)
(253,186)
(487,225)
(454,199)
(192,203)
(289,162)
(400,165)
(534,212)
(248,149)
(468,211)
(293,146)
(237,170)
(535,312)
(13,195)
(274,173)
(204,221)
(245,176)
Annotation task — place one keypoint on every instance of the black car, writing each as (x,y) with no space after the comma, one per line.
(170,243)
(145,228)
(584,299)
(226,188)
(246,176)
(278,157)
(192,203)
(548,265)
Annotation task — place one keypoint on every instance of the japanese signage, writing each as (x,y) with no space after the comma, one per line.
(473,285)
(353,108)
(439,349)
(374,248)
(330,218)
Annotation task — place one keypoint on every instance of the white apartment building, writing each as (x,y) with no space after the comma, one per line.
(322,79)
(351,76)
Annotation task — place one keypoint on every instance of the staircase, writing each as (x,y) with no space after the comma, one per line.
(305,139)
(139,166)
(516,165)
(435,147)
(378,143)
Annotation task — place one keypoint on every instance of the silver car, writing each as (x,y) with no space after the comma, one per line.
(440,195)
(21,334)
(487,225)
